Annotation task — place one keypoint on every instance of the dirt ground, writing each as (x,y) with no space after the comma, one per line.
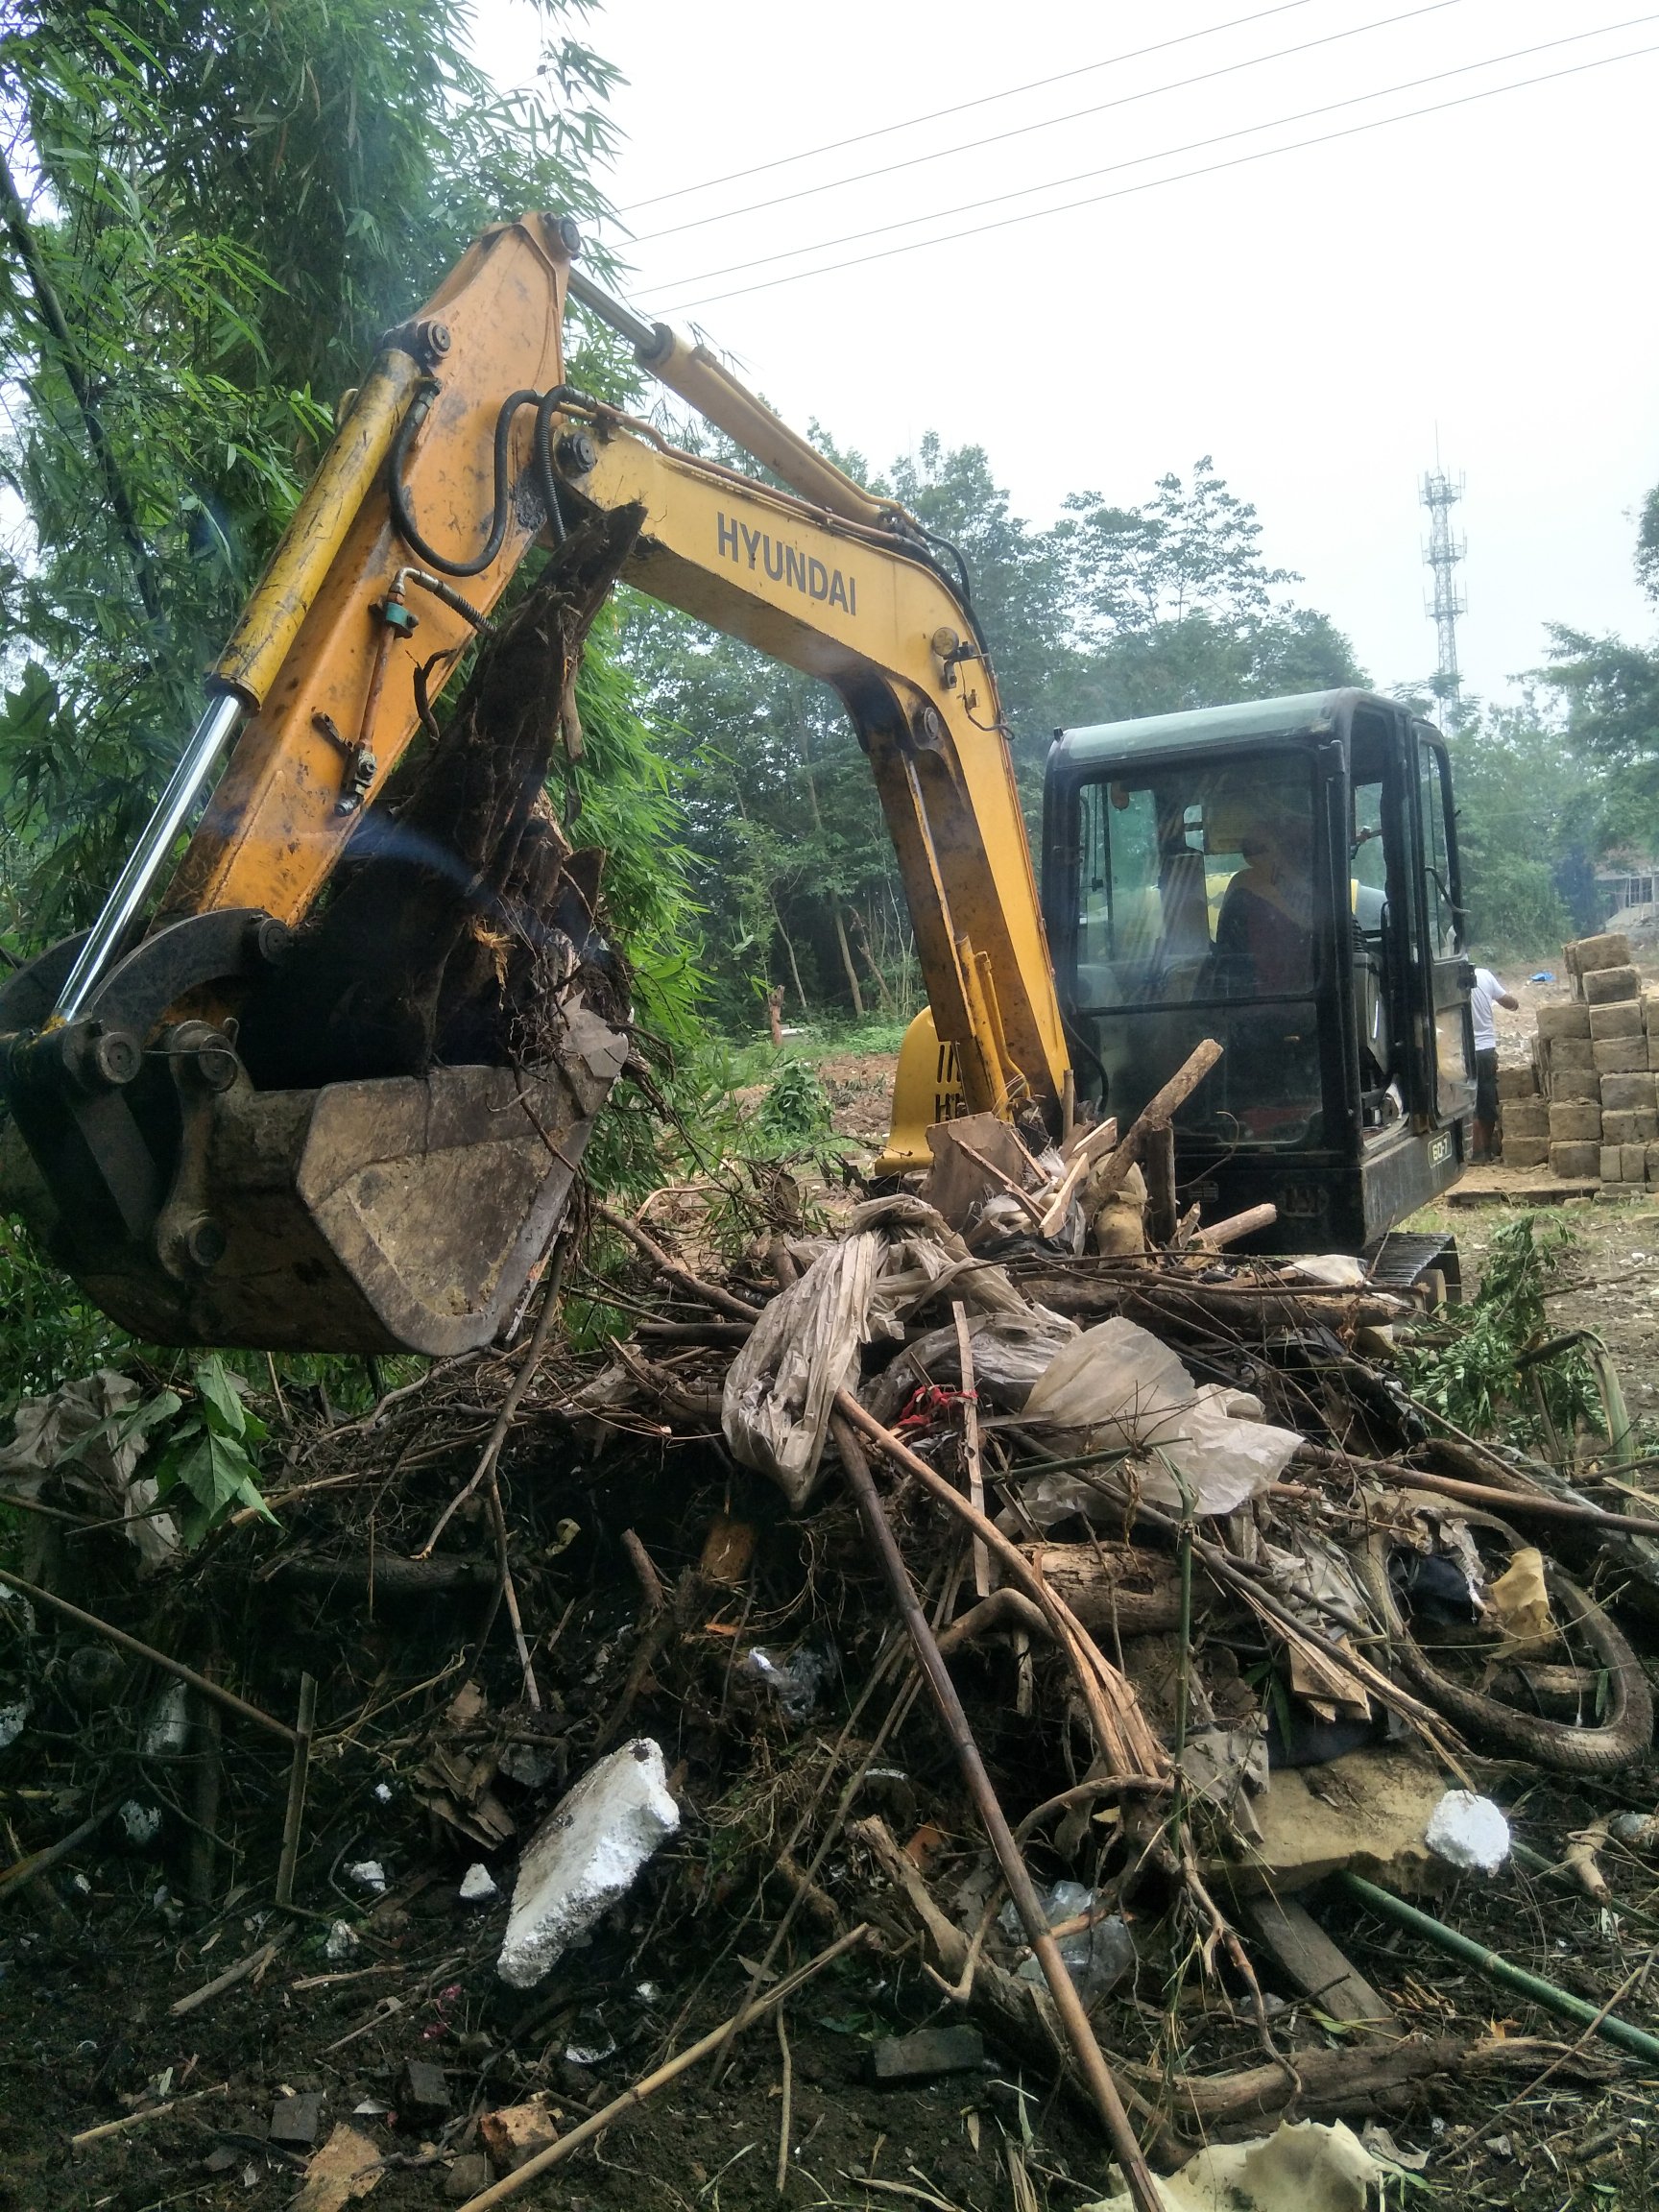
(95,1961)
(860,1087)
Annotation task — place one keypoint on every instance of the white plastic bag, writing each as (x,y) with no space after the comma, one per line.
(1125,1388)
(780,1387)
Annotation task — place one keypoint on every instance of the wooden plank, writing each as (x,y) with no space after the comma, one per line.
(1314,1964)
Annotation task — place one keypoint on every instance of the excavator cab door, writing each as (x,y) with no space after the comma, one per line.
(1446,1028)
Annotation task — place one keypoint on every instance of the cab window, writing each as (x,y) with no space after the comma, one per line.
(1196,883)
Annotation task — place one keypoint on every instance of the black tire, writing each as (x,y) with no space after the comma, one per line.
(1627,1732)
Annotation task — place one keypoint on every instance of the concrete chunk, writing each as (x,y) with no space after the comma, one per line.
(1575,1125)
(927,2052)
(1628,1094)
(517,2132)
(468,2174)
(1622,1019)
(1603,984)
(1369,1813)
(1570,1052)
(296,2120)
(1584,954)
(1526,1151)
(1578,1163)
(1574,1085)
(1566,1020)
(1621,1055)
(423,2093)
(1517,1082)
(1619,1126)
(1632,1162)
(584,1857)
(1525,1118)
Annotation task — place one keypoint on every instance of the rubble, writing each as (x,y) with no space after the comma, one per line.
(584,1858)
(928,2054)
(1585,1104)
(1059,1637)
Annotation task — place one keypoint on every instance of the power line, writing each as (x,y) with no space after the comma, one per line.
(1165,154)
(1170,153)
(1152,183)
(1048,122)
(965,107)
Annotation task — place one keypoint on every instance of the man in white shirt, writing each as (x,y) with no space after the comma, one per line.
(1487,993)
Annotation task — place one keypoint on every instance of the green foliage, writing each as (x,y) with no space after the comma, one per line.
(1465,1365)
(625,803)
(1193,548)
(1524,800)
(1174,608)
(795,1106)
(1610,691)
(229,204)
(204,1450)
(48,1335)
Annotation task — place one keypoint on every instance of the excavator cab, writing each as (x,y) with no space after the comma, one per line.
(1282,877)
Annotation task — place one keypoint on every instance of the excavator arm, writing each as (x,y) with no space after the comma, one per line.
(463,448)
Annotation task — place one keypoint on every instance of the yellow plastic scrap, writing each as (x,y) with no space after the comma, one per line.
(1518,1604)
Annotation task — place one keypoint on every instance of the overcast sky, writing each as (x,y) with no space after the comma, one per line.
(1310,319)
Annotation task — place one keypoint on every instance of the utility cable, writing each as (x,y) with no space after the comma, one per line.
(1126,191)
(1052,122)
(1165,154)
(962,107)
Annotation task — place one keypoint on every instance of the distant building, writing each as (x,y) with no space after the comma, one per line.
(1624,882)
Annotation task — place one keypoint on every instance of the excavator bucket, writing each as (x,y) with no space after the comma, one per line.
(361,1135)
(403,1214)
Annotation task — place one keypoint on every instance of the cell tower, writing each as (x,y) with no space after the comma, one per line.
(1442,554)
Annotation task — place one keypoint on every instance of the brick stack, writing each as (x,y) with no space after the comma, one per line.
(1586,1106)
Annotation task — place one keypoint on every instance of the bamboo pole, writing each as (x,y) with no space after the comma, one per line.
(297,1778)
(1079,2034)
(198,1682)
(534,2168)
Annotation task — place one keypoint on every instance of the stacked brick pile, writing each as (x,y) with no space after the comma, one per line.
(1586,1106)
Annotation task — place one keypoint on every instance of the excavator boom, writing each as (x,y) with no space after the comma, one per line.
(197,1204)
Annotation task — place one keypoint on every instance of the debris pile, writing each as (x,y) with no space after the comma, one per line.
(1061,1644)
(1586,1106)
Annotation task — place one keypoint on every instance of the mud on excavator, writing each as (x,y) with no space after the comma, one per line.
(225,1136)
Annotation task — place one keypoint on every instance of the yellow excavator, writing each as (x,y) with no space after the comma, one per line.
(200,1190)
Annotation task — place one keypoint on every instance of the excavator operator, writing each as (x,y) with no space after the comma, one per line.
(1264,930)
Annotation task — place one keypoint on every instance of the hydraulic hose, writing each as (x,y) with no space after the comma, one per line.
(546,405)
(399,498)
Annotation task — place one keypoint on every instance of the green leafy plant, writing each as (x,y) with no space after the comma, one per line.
(796,1105)
(207,1454)
(1471,1364)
